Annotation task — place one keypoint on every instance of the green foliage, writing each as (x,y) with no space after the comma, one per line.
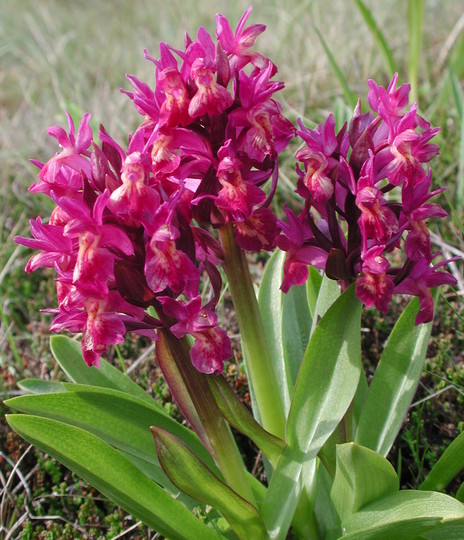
(326,385)
(394,383)
(95,461)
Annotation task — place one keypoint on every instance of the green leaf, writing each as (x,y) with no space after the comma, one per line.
(394,383)
(67,353)
(296,327)
(238,416)
(359,400)
(313,286)
(329,291)
(192,476)
(447,467)
(451,530)
(156,474)
(108,471)
(119,419)
(329,375)
(460,493)
(361,476)
(404,515)
(270,304)
(327,517)
(324,390)
(39,386)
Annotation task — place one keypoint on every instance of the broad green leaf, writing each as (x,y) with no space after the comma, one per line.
(460,493)
(451,530)
(329,375)
(67,353)
(296,327)
(39,386)
(379,37)
(327,517)
(359,400)
(313,285)
(394,383)
(325,387)
(447,467)
(404,515)
(108,471)
(270,304)
(119,419)
(192,476)
(157,474)
(361,477)
(329,291)
(238,416)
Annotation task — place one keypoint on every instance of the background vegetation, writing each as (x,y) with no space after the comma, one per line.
(58,54)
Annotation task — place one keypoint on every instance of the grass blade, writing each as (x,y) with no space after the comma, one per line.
(415,17)
(382,45)
(459,100)
(349,95)
(447,467)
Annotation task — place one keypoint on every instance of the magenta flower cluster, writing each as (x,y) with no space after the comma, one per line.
(129,229)
(366,191)
(134,229)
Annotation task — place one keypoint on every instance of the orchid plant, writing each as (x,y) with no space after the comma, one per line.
(137,238)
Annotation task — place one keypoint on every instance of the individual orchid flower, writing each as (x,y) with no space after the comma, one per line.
(238,45)
(72,159)
(212,345)
(421,279)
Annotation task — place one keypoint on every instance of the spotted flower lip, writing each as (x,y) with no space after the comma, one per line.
(132,228)
(352,222)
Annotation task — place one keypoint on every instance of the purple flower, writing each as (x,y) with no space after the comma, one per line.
(353,226)
(421,279)
(66,165)
(239,45)
(134,228)
(212,346)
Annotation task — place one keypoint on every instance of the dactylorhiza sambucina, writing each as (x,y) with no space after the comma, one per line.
(132,229)
(353,222)
(135,229)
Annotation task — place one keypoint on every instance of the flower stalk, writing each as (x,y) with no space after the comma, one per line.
(192,393)
(254,344)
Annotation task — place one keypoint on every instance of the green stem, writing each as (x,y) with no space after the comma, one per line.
(192,393)
(254,344)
